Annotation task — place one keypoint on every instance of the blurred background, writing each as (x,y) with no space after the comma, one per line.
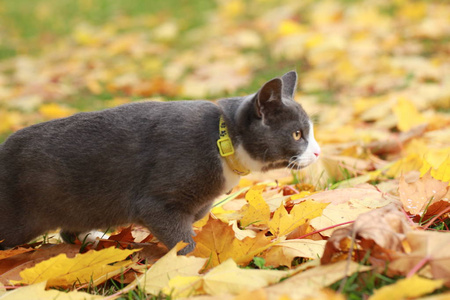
(368,68)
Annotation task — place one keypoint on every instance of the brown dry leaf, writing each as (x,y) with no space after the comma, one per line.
(282,253)
(11,252)
(394,145)
(218,242)
(346,205)
(427,248)
(150,252)
(427,195)
(384,227)
(371,195)
(334,165)
(120,239)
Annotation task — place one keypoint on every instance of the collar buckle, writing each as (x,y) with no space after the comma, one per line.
(225,146)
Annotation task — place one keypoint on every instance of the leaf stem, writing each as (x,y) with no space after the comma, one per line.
(418,266)
(436,217)
(323,229)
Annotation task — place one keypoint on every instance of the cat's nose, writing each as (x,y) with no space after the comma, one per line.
(317,152)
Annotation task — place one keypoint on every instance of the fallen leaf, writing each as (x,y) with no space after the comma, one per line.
(283,222)
(402,288)
(229,278)
(444,296)
(348,210)
(427,248)
(12,252)
(326,294)
(258,212)
(385,227)
(11,267)
(423,196)
(309,282)
(218,243)
(91,267)
(184,286)
(407,115)
(442,173)
(372,197)
(168,267)
(412,162)
(284,252)
(37,291)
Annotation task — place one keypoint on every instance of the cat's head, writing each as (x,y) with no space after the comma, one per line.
(276,132)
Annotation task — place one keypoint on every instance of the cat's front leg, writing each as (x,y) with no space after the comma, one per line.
(203,211)
(170,227)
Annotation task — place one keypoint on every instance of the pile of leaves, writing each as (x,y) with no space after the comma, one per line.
(371,218)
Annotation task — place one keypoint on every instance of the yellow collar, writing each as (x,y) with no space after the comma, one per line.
(226,150)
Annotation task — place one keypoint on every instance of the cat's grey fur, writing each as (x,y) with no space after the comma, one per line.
(151,163)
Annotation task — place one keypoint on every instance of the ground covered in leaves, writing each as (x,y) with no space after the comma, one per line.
(370,219)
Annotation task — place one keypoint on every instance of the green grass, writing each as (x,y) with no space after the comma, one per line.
(361,285)
(27,26)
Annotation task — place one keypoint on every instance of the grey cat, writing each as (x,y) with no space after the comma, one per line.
(151,163)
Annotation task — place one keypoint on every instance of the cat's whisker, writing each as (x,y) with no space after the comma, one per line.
(292,163)
(264,155)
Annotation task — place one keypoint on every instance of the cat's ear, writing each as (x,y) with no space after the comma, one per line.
(269,97)
(289,84)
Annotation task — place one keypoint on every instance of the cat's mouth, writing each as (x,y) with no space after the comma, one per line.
(275,165)
(295,163)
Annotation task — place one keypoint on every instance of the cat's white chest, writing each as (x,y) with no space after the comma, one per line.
(231,178)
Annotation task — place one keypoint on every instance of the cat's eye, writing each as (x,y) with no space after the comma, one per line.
(297,135)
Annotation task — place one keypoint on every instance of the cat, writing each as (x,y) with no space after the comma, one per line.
(158,164)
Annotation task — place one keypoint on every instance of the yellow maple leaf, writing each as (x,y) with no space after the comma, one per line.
(402,288)
(412,162)
(229,278)
(258,211)
(407,115)
(442,173)
(283,223)
(169,266)
(184,286)
(90,267)
(37,291)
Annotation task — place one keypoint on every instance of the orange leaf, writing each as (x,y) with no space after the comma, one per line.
(218,242)
(424,195)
